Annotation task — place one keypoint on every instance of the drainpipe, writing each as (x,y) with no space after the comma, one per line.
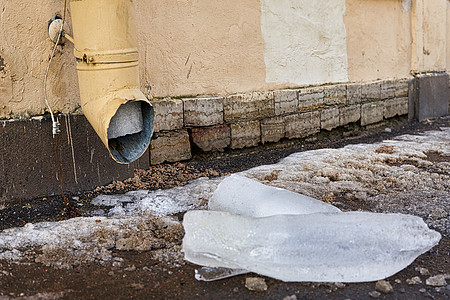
(107,63)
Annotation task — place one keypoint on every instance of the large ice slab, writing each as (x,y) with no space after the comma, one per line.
(247,197)
(323,247)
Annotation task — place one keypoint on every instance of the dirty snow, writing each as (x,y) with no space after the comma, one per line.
(394,176)
(161,202)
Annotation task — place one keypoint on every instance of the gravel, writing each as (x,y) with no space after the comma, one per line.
(257,284)
(384,287)
(438,280)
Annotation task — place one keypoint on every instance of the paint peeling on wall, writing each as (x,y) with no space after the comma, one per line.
(2,65)
(406,4)
(305,41)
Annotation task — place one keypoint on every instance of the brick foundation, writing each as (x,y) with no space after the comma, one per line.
(213,123)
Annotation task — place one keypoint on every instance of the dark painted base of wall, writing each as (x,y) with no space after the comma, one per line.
(28,164)
(429,96)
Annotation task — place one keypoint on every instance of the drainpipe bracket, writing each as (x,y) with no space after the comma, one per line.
(107,57)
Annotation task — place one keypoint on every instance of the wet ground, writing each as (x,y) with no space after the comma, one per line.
(152,280)
(138,275)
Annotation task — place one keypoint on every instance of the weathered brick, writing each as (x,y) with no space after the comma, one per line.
(203,111)
(387,89)
(349,114)
(272,129)
(395,107)
(286,101)
(401,88)
(354,93)
(329,118)
(245,134)
(310,98)
(302,124)
(335,94)
(372,113)
(255,105)
(215,138)
(168,114)
(371,92)
(170,146)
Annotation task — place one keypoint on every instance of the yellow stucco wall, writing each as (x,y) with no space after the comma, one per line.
(191,47)
(24,51)
(448,36)
(200,47)
(378,39)
(429,30)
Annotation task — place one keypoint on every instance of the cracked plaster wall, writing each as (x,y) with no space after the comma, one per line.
(378,39)
(305,41)
(200,47)
(191,47)
(24,50)
(429,30)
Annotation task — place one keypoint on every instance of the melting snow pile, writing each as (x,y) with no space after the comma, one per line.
(395,176)
(73,242)
(317,243)
(160,202)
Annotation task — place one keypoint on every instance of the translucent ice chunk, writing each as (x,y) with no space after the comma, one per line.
(247,197)
(211,274)
(324,247)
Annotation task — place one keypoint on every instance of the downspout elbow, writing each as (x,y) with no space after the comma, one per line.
(108,76)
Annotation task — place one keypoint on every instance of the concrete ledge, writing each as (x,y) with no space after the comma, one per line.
(354,93)
(350,114)
(249,106)
(215,138)
(245,134)
(203,112)
(310,98)
(395,107)
(286,101)
(329,118)
(272,130)
(372,113)
(303,124)
(170,146)
(168,114)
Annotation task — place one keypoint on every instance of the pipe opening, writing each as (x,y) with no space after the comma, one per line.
(130,131)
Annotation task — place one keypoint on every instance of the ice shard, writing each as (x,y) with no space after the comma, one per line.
(321,247)
(247,197)
(211,274)
(244,196)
